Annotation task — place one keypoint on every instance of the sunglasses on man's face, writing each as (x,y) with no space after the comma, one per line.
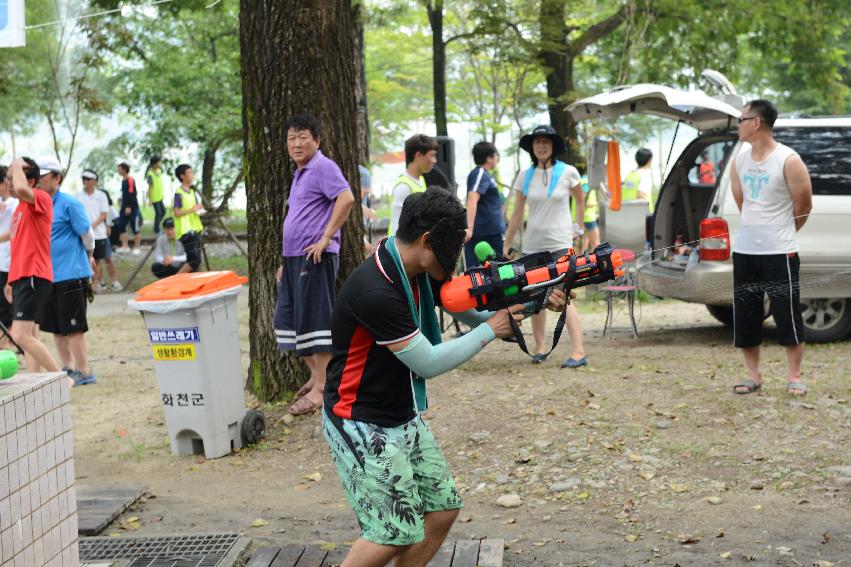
(745,119)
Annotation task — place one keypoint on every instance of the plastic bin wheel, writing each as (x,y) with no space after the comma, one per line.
(253,427)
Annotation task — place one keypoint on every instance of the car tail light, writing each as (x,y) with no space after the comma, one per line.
(714,239)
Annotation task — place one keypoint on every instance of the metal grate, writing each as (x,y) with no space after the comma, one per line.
(165,551)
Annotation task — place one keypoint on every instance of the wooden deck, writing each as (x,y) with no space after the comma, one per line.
(98,506)
(462,553)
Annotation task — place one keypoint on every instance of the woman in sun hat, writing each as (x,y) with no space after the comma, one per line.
(546,187)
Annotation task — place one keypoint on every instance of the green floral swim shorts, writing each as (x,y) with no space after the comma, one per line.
(392,476)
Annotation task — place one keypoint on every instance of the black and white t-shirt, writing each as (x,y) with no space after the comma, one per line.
(366,382)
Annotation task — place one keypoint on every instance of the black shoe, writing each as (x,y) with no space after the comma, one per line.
(539,358)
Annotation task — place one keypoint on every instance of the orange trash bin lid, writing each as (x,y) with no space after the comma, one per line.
(184,286)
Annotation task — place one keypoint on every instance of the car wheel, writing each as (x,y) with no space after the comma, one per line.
(826,319)
(724,313)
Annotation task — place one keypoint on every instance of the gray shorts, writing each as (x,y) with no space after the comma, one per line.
(305,304)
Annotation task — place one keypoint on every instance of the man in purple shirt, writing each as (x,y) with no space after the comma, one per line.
(319,203)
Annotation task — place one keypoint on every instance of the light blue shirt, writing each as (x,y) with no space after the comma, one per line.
(67,253)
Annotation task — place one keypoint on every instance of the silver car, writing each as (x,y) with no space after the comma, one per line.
(696,205)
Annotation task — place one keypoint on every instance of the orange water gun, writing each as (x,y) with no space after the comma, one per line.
(497,285)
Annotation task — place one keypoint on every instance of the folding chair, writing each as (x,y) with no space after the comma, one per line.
(623,287)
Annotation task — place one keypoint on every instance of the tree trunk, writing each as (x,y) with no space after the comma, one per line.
(558,66)
(207,169)
(293,61)
(438,64)
(360,75)
(558,55)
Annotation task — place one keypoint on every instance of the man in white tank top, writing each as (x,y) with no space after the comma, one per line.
(772,188)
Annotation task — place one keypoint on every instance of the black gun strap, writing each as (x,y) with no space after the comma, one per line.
(518,334)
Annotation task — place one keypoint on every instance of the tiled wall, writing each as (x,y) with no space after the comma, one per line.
(38,507)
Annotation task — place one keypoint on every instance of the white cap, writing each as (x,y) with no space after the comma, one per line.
(48,164)
(89,174)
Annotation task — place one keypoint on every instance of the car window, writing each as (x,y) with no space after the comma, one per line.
(827,154)
(709,163)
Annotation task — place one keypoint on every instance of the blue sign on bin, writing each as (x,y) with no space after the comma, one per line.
(4,14)
(160,336)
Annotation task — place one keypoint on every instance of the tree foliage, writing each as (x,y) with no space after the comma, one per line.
(176,69)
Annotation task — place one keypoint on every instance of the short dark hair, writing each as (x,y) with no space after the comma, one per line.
(180,170)
(421,211)
(3,170)
(123,165)
(766,111)
(301,122)
(418,144)
(482,151)
(154,159)
(32,172)
(642,156)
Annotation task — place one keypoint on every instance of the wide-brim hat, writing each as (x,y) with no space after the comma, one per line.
(559,146)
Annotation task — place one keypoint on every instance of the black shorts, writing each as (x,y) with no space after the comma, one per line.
(133,221)
(5,306)
(30,296)
(103,249)
(305,304)
(754,277)
(194,249)
(65,313)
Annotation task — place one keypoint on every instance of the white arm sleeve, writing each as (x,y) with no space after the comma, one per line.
(88,240)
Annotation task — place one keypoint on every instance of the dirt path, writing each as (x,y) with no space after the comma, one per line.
(643,457)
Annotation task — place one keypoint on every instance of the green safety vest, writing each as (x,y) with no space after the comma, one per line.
(190,222)
(629,188)
(591,209)
(157,193)
(414,187)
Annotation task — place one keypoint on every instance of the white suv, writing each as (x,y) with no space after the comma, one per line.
(697,205)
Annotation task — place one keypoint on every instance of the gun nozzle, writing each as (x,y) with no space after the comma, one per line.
(619,272)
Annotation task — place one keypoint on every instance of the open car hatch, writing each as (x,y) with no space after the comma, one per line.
(694,108)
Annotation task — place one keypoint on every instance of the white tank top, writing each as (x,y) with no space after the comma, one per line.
(768,223)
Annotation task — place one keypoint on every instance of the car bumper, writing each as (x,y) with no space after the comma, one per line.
(709,283)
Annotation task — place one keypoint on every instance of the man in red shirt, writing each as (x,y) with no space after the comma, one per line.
(31,270)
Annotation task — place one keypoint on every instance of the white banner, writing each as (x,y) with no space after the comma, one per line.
(12,32)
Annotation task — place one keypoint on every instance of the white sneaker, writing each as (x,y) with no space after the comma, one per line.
(116,286)
(137,251)
(123,250)
(100,288)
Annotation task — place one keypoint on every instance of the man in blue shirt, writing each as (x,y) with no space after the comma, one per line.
(484,206)
(71,248)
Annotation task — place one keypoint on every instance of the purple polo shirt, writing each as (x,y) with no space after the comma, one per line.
(315,187)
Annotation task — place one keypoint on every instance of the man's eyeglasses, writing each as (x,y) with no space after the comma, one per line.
(745,119)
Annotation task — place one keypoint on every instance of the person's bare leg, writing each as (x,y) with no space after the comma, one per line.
(25,333)
(751,355)
(539,327)
(77,344)
(110,269)
(574,331)
(123,237)
(98,273)
(64,350)
(137,240)
(185,268)
(367,554)
(318,364)
(795,356)
(437,525)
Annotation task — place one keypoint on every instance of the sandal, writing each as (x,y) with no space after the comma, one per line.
(303,391)
(748,385)
(797,389)
(539,358)
(304,406)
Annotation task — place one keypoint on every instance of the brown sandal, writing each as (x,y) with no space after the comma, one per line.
(304,406)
